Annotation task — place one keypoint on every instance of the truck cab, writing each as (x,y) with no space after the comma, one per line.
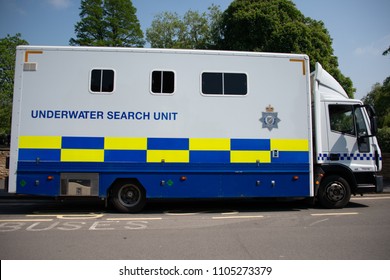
(347,154)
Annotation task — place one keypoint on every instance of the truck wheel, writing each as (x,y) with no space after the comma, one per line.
(128,197)
(334,192)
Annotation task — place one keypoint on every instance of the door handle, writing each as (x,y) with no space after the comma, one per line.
(334,157)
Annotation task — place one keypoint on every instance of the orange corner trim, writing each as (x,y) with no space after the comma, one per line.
(303,64)
(27,53)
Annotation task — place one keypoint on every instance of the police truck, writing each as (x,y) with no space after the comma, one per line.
(132,124)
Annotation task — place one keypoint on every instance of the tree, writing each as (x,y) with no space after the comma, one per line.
(166,31)
(108,23)
(90,30)
(193,31)
(278,26)
(7,71)
(122,25)
(379,97)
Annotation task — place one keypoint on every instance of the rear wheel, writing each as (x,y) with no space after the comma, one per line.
(128,197)
(334,192)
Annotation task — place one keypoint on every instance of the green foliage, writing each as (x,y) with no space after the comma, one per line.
(384,139)
(165,31)
(90,30)
(108,23)
(193,31)
(379,97)
(7,72)
(278,26)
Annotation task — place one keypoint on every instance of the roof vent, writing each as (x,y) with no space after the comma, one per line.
(30,66)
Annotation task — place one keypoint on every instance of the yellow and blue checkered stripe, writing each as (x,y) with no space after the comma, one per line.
(157,150)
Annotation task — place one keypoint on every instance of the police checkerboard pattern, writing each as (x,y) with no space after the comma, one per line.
(169,150)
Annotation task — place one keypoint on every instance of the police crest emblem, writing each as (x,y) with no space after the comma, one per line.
(269,118)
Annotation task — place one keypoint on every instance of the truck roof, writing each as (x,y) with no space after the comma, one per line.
(168,51)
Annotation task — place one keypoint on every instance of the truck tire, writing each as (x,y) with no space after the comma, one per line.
(334,192)
(128,197)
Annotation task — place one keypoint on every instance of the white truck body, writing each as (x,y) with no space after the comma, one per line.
(132,124)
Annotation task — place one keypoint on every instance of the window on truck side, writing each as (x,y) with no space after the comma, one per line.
(212,83)
(163,82)
(235,84)
(342,119)
(102,81)
(224,83)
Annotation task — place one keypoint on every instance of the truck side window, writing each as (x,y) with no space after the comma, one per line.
(224,83)
(341,119)
(235,84)
(102,81)
(163,82)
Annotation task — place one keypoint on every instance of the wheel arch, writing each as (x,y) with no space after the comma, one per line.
(127,195)
(123,180)
(340,170)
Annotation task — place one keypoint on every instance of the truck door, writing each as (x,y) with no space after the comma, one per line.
(348,140)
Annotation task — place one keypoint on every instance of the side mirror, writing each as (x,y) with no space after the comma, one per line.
(373,118)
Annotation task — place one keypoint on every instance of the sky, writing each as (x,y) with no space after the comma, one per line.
(360,29)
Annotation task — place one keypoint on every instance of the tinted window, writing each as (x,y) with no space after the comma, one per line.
(341,119)
(163,82)
(102,80)
(224,83)
(108,81)
(96,78)
(212,83)
(235,84)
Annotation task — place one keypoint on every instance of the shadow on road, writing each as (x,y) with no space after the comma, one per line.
(82,206)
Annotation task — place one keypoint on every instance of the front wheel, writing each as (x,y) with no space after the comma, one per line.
(128,197)
(334,192)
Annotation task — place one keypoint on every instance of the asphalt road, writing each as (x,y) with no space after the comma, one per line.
(47,229)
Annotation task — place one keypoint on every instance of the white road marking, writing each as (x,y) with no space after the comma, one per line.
(317,222)
(237,217)
(173,213)
(335,214)
(70,216)
(370,198)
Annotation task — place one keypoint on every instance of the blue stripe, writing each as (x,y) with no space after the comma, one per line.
(291,157)
(41,154)
(222,179)
(209,157)
(82,142)
(250,144)
(222,168)
(125,156)
(168,144)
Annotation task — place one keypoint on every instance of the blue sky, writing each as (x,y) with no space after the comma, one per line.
(360,28)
